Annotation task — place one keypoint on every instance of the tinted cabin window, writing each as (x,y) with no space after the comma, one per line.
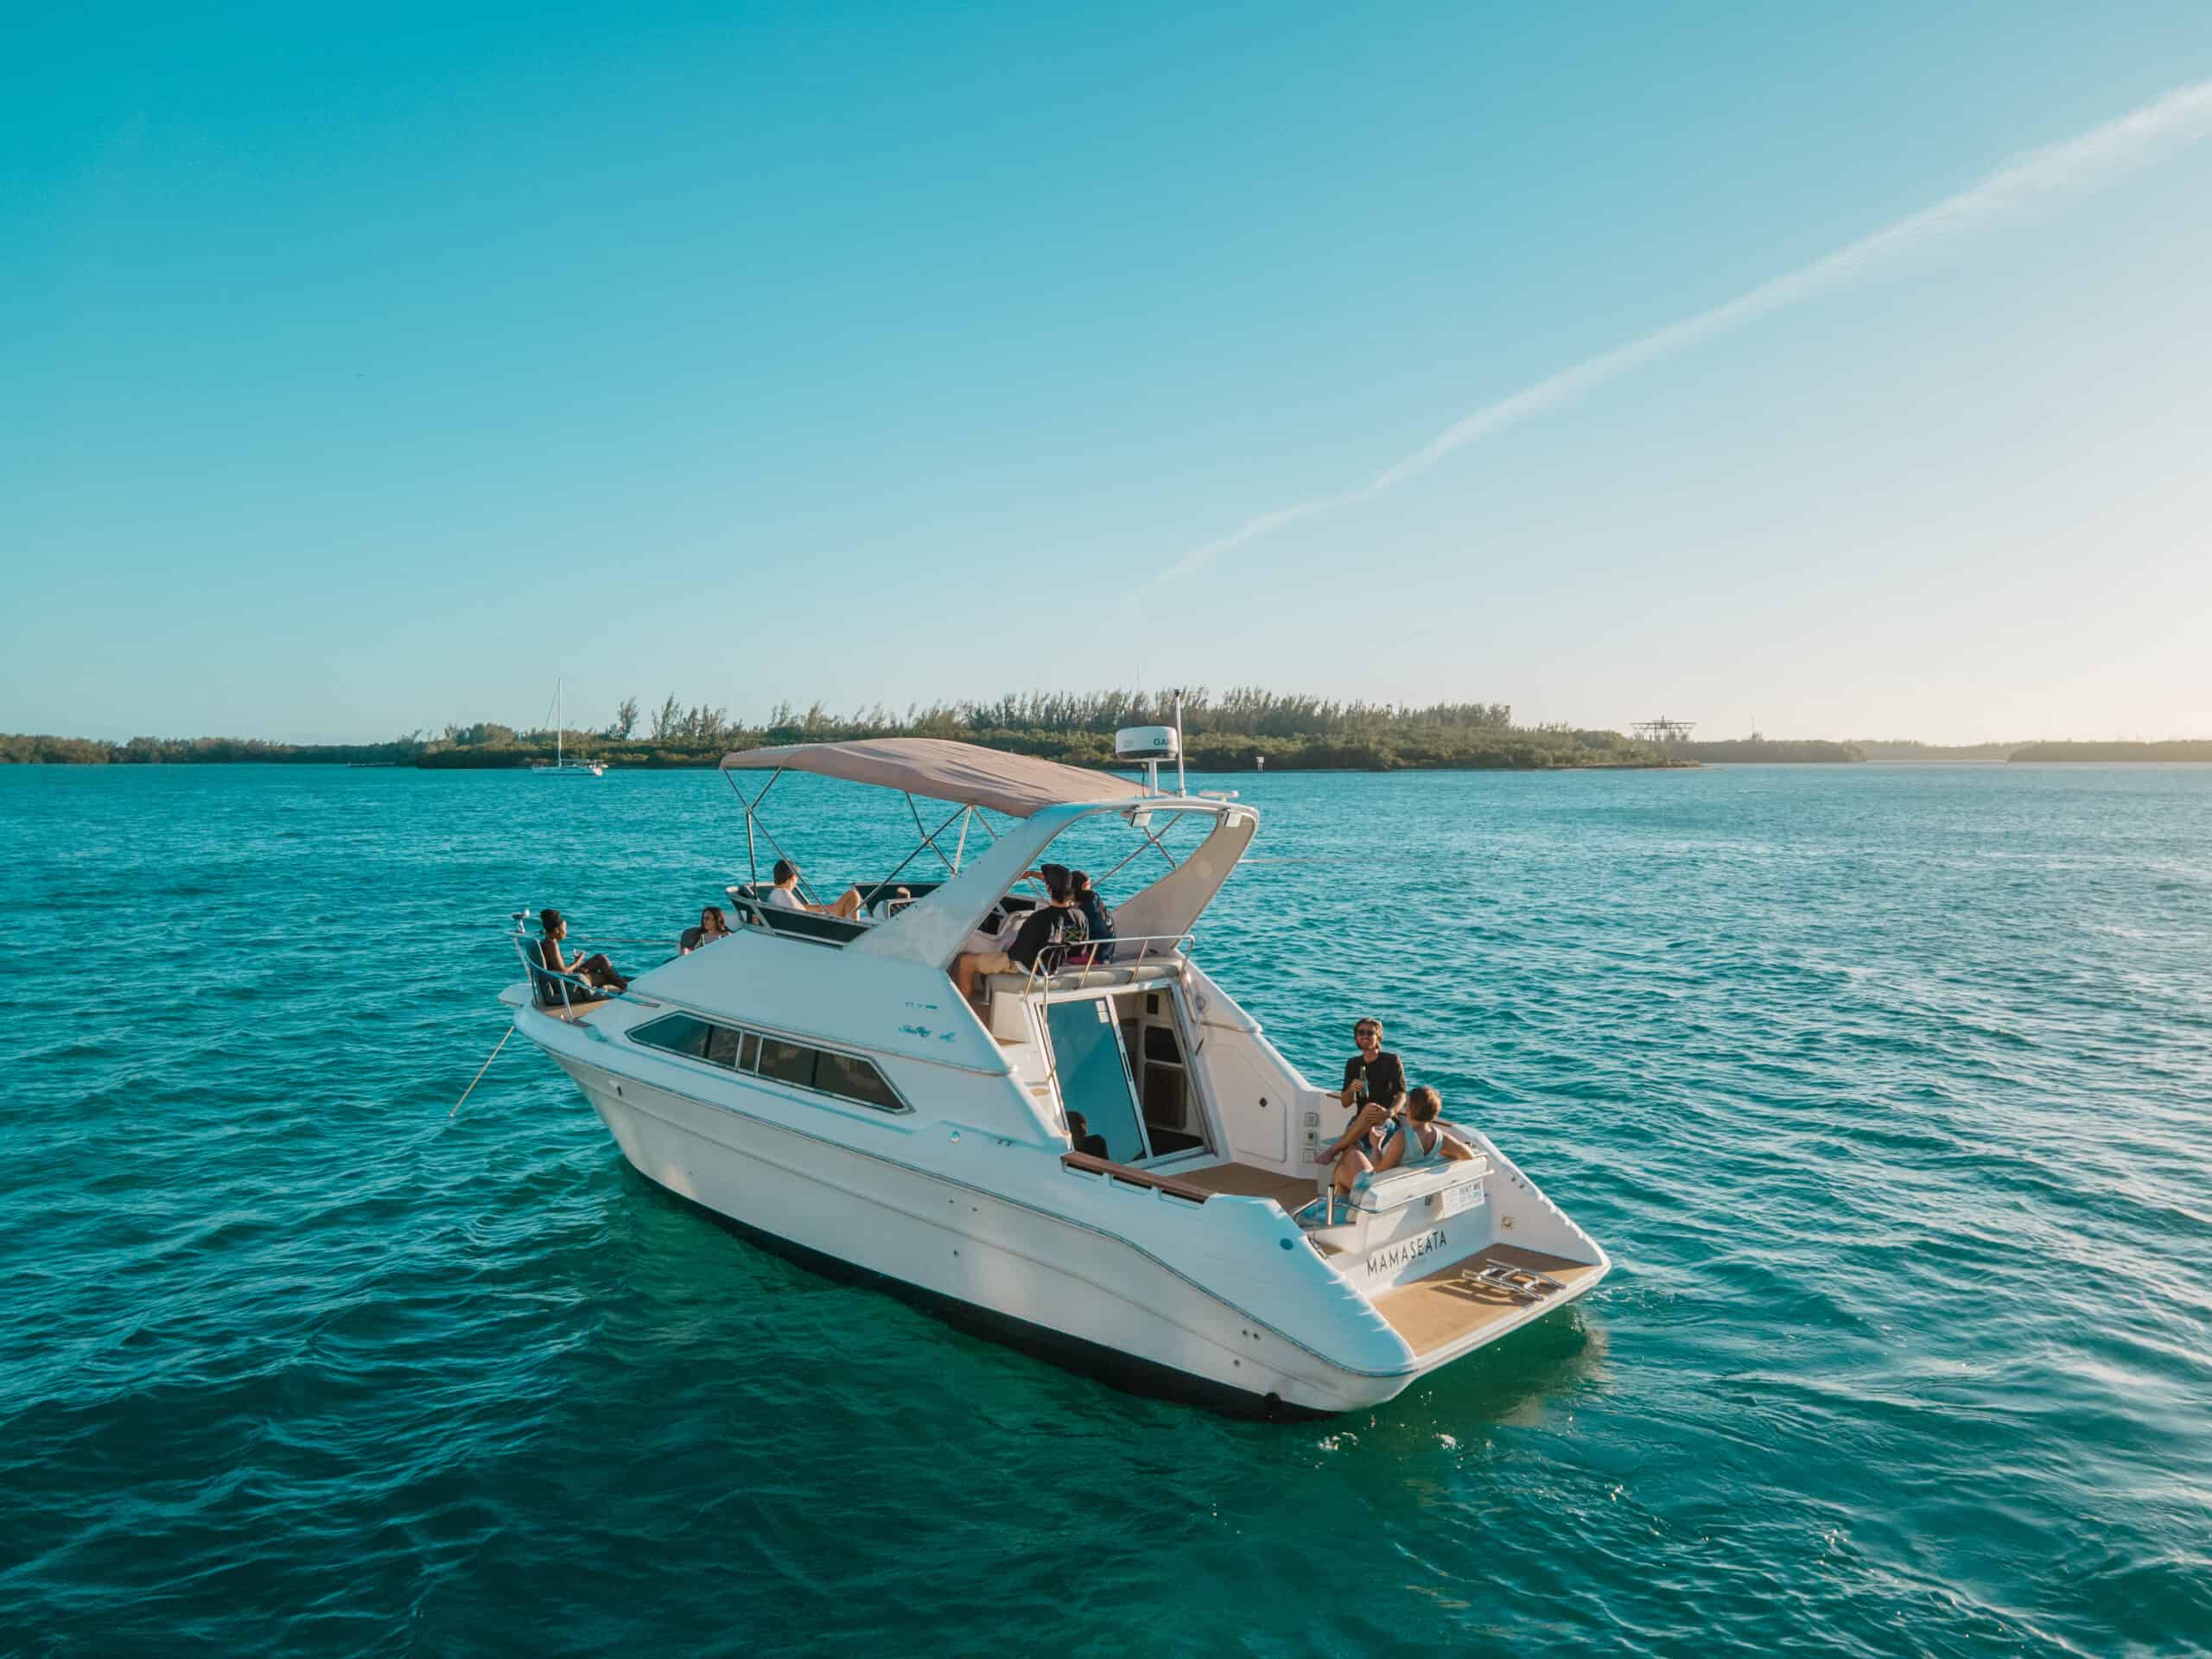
(783,1062)
(679,1033)
(846,1076)
(851,1079)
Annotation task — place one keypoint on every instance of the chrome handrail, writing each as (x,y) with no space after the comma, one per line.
(1176,943)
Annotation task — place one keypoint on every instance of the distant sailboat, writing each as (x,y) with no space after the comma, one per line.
(561,766)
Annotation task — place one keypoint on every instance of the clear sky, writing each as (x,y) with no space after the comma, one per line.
(360,367)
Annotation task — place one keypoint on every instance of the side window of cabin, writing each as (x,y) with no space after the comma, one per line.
(783,1062)
(846,1076)
(679,1033)
(852,1079)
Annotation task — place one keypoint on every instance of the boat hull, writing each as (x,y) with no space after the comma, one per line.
(988,1263)
(1055,1288)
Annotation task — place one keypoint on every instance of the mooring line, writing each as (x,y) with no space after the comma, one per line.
(481,1070)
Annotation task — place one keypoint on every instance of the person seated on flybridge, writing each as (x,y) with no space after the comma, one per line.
(1095,918)
(1041,942)
(784,895)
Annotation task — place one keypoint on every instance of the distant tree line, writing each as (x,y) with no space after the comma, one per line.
(2199,748)
(1226,733)
(1229,732)
(1766,751)
(1906,749)
(27,748)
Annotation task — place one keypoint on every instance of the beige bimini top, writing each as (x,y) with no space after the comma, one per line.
(965,773)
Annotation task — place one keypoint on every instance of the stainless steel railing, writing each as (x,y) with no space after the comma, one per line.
(1152,947)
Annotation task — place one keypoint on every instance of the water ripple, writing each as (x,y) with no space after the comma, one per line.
(1887,1087)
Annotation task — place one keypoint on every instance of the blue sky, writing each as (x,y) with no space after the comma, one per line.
(361,369)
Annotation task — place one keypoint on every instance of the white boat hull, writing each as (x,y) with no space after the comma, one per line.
(1048,1284)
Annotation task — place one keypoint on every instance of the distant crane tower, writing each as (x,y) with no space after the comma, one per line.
(1663,730)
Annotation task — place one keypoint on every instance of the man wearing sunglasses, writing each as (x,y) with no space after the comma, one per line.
(1374,1093)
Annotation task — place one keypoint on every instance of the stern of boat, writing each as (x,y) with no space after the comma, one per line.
(1455,1255)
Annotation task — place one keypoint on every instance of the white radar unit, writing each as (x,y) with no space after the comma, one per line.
(1147,746)
(1142,743)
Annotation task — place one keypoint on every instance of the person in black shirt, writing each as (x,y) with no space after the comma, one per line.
(1100,925)
(1041,943)
(1373,1092)
(1080,1139)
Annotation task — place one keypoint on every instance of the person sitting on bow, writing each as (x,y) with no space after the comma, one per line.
(596,971)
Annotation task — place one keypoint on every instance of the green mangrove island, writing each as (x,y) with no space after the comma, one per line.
(1235,732)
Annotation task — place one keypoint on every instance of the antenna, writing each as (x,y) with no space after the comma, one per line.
(1663,730)
(1181,788)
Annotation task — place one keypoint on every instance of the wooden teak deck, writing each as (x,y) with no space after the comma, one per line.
(1247,1181)
(1440,1309)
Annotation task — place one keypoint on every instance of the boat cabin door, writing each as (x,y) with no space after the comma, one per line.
(1120,1062)
(1094,1076)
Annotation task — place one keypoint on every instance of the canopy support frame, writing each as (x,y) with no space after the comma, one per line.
(1150,840)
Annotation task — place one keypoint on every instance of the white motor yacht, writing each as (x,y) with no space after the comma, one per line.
(817,1081)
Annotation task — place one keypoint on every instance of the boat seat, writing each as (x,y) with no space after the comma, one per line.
(557,993)
(793,923)
(1100,975)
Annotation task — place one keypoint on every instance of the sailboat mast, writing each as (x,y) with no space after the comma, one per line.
(556,722)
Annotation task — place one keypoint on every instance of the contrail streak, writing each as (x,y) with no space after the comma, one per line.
(2100,156)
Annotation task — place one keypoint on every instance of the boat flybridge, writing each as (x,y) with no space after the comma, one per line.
(816,1080)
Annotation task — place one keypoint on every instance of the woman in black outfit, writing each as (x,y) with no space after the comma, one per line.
(595,970)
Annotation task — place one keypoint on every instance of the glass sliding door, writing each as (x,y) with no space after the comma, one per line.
(1093,1078)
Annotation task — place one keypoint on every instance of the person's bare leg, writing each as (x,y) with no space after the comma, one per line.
(964,976)
(1368,1115)
(848,904)
(1349,1167)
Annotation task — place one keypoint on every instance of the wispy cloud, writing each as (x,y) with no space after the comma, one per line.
(2090,161)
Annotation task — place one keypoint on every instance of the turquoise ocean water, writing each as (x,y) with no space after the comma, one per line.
(1889,1089)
